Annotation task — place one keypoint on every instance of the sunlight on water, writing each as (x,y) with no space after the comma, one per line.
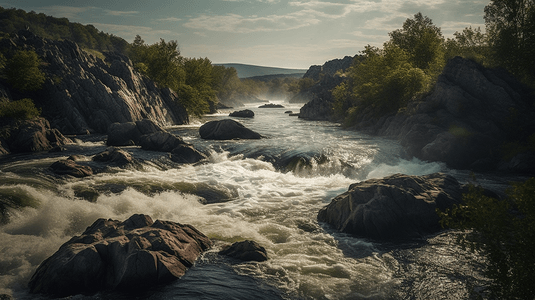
(253,198)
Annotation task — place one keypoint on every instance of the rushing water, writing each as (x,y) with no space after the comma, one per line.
(277,185)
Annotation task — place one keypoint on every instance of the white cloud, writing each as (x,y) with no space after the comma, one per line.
(69,12)
(120,13)
(128,32)
(170,19)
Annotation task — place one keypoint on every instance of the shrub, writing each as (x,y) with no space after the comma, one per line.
(23,72)
(21,109)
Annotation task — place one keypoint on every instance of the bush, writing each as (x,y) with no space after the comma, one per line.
(20,109)
(504,232)
(22,71)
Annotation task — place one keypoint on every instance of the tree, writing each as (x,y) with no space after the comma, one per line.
(470,43)
(511,30)
(22,71)
(504,232)
(422,41)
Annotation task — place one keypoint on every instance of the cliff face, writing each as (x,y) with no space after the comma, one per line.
(475,118)
(83,93)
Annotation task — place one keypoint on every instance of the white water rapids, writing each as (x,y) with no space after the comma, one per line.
(273,205)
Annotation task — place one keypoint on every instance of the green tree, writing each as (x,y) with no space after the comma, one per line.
(470,43)
(511,30)
(504,232)
(422,41)
(21,109)
(22,71)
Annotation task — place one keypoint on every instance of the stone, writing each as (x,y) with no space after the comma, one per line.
(246,113)
(31,136)
(271,105)
(186,154)
(129,133)
(112,255)
(115,156)
(397,207)
(70,167)
(246,250)
(160,141)
(226,130)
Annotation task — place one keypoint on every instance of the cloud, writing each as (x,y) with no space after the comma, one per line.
(69,12)
(240,24)
(170,19)
(119,13)
(128,32)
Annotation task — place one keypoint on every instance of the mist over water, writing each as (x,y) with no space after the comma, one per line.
(275,188)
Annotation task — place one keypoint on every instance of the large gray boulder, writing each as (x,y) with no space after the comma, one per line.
(160,141)
(70,167)
(129,133)
(246,113)
(226,130)
(396,207)
(113,255)
(245,250)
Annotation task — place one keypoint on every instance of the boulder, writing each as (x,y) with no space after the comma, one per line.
(129,133)
(70,167)
(271,105)
(31,136)
(246,250)
(113,255)
(397,207)
(115,156)
(226,130)
(246,113)
(160,141)
(186,154)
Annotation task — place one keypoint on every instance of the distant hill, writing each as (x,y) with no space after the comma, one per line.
(246,71)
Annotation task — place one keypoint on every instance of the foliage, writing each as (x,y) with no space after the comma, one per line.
(504,232)
(20,109)
(470,43)
(87,36)
(22,71)
(421,40)
(511,32)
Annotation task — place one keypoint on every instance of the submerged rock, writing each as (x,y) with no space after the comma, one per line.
(246,113)
(226,130)
(246,250)
(70,167)
(131,255)
(396,207)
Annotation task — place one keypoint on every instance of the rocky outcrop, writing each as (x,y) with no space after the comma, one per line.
(246,250)
(470,116)
(131,255)
(246,113)
(329,68)
(160,141)
(319,100)
(30,136)
(70,167)
(226,130)
(271,105)
(84,93)
(396,207)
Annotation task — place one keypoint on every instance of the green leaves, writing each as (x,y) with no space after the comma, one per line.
(20,109)
(504,232)
(22,71)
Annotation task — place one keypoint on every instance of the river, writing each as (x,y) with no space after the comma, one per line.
(278,184)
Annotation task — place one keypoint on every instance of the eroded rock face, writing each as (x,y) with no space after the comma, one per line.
(84,93)
(226,130)
(131,255)
(396,207)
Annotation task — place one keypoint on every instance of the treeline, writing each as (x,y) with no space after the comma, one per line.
(199,84)
(87,36)
(384,80)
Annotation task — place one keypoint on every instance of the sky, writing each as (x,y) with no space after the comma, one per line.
(275,33)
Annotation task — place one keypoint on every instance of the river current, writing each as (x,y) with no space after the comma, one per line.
(277,186)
